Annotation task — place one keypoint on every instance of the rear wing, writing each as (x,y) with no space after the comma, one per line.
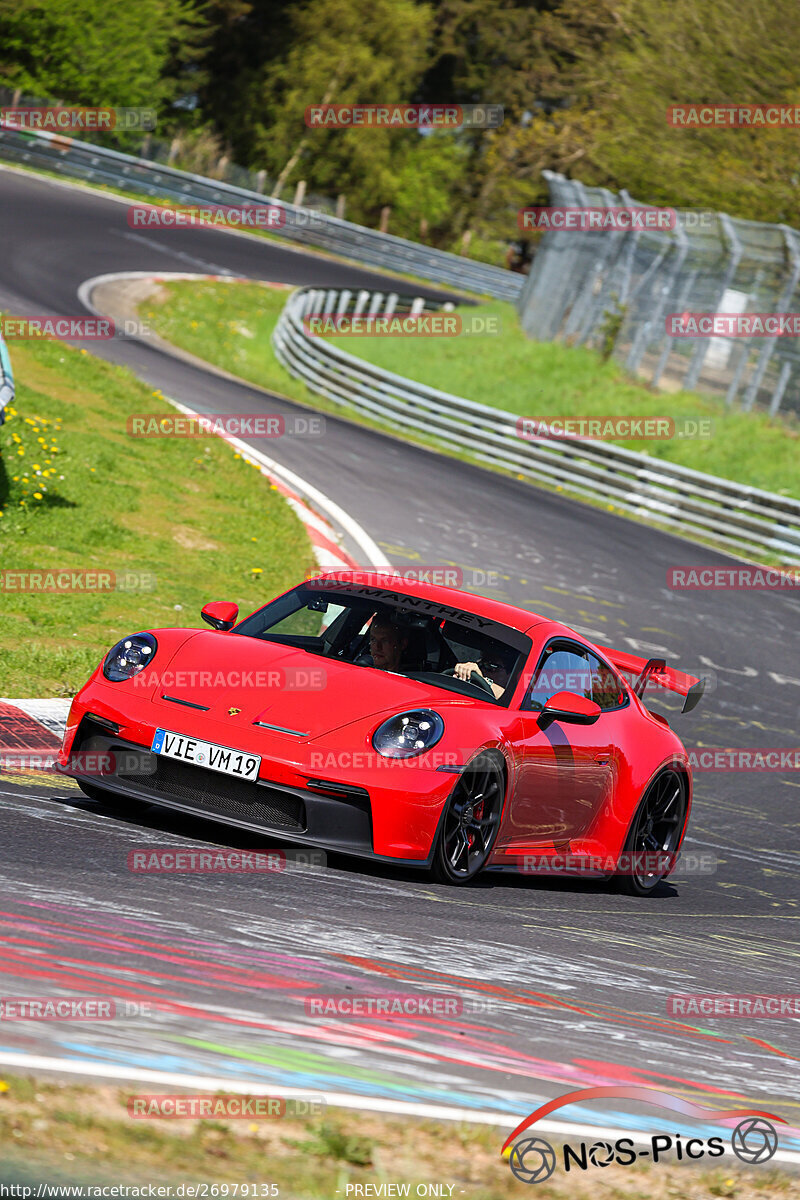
(638,671)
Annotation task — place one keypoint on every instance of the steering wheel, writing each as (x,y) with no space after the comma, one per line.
(475,679)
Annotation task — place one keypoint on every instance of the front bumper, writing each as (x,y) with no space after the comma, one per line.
(333,812)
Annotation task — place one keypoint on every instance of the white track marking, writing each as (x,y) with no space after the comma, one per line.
(441,1112)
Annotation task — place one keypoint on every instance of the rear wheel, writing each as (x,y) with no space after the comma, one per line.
(471,822)
(657,829)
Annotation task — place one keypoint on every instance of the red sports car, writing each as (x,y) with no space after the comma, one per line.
(403,721)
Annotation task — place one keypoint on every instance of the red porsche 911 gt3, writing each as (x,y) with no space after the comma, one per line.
(407,722)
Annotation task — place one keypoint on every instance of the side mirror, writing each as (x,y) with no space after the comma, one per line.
(570,709)
(220,615)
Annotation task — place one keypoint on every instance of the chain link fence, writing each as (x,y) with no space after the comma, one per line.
(616,288)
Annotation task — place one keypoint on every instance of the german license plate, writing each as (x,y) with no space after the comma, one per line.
(206,754)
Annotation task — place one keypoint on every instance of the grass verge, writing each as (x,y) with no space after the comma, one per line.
(230,325)
(62,1133)
(177,521)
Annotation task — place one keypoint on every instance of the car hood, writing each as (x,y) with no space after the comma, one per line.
(281,685)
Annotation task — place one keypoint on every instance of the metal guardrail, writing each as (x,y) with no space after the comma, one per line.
(6,380)
(583,281)
(97,164)
(744,519)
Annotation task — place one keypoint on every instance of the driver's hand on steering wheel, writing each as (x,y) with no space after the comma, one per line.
(464,670)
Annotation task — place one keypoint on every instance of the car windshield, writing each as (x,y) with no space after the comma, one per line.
(378,629)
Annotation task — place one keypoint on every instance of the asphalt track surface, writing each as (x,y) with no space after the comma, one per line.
(564,983)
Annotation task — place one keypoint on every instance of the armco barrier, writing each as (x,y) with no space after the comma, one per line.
(744,519)
(96,164)
(6,380)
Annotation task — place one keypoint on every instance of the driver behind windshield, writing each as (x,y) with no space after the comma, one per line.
(387,644)
(494,666)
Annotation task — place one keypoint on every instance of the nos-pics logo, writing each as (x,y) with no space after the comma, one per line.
(533,1159)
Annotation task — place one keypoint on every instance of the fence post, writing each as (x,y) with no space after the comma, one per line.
(790,238)
(639,343)
(734,256)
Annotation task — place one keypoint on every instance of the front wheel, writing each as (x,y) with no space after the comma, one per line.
(470,823)
(657,828)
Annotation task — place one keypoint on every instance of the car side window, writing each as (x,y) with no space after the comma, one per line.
(561,670)
(566,667)
(607,690)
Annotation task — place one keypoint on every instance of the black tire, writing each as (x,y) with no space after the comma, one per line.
(657,828)
(113,800)
(471,821)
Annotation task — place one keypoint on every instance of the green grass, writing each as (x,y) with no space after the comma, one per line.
(184,520)
(230,325)
(61,1133)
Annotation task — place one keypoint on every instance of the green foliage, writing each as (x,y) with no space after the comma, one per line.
(123,54)
(330,1140)
(179,521)
(585,85)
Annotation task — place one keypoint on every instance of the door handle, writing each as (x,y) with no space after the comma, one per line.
(602,758)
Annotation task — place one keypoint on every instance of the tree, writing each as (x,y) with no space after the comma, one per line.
(125,54)
(365,51)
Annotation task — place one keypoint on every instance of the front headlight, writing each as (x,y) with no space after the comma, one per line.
(129,657)
(408,734)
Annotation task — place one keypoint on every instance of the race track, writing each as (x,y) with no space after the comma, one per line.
(572,980)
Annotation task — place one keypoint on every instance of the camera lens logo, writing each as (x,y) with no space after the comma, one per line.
(533,1160)
(601,1154)
(754,1140)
